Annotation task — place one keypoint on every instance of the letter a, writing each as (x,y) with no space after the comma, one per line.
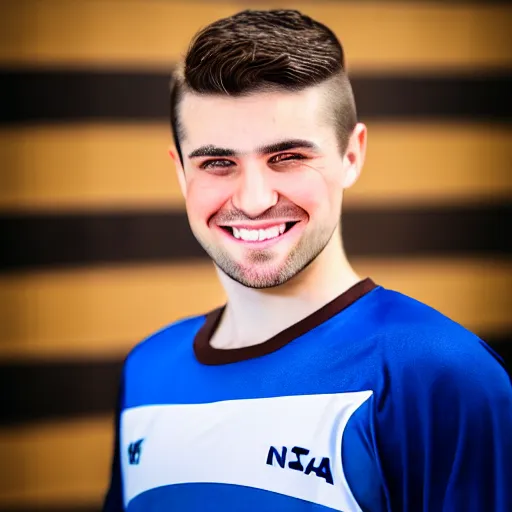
(322,471)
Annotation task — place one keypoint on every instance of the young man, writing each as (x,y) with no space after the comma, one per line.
(312,389)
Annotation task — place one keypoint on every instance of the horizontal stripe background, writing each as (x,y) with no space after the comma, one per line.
(122,166)
(84,162)
(46,240)
(56,464)
(101,313)
(107,95)
(149,34)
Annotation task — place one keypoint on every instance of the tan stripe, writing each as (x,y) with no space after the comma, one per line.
(105,312)
(56,463)
(87,166)
(433,163)
(99,312)
(152,33)
(109,166)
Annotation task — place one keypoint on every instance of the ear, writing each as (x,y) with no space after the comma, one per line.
(180,172)
(355,155)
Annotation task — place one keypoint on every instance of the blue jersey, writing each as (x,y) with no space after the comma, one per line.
(376,402)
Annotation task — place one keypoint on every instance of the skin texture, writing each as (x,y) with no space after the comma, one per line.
(231,177)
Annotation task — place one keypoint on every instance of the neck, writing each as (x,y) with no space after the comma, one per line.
(250,316)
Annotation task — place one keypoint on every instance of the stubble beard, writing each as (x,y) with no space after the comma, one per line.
(260,272)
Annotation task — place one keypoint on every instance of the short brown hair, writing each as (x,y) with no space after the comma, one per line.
(255,51)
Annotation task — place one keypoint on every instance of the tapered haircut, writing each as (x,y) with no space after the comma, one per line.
(260,51)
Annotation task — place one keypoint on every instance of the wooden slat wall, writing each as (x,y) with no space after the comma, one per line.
(124,166)
(65,328)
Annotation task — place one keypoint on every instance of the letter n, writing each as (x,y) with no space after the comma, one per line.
(281,458)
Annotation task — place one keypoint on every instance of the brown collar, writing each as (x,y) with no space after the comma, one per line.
(206,354)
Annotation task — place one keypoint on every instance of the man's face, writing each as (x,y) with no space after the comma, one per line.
(263,179)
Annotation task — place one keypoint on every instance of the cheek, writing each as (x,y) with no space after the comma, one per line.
(205,196)
(312,192)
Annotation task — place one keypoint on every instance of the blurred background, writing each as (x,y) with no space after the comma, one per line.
(96,252)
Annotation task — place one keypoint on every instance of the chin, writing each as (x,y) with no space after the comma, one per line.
(259,275)
(261,281)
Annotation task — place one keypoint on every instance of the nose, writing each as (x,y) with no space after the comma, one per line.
(254,193)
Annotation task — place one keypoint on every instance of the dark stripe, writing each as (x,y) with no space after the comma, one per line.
(80,95)
(52,508)
(32,241)
(502,345)
(34,391)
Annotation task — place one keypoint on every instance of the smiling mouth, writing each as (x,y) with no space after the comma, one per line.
(259,235)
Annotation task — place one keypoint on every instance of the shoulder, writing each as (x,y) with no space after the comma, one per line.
(166,342)
(421,344)
(437,376)
(441,419)
(159,364)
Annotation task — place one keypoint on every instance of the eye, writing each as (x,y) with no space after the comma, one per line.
(286,157)
(216,164)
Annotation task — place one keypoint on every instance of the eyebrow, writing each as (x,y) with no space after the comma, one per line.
(215,151)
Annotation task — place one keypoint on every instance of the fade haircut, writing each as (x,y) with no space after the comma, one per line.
(260,51)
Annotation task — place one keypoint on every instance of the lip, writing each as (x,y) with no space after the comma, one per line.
(256,244)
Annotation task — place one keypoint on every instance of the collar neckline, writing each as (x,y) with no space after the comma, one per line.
(208,355)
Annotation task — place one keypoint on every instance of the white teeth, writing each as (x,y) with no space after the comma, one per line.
(253,235)
(274,231)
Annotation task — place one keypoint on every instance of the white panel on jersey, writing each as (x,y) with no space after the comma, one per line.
(229,442)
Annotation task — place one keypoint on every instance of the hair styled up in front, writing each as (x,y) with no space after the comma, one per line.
(259,51)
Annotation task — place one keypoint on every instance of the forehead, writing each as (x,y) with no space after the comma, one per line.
(246,122)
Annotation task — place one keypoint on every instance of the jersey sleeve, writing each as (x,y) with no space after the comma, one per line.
(114,497)
(444,434)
